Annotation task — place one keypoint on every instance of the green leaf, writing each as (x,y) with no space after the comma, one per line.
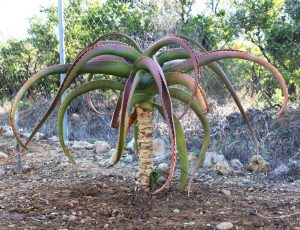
(85,88)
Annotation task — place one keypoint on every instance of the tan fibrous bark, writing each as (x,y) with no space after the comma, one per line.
(145,147)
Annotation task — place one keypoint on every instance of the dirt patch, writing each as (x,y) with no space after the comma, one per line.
(53,194)
(112,202)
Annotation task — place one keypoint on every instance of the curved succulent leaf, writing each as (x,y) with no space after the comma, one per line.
(135,136)
(185,45)
(221,74)
(57,69)
(87,87)
(114,121)
(127,95)
(177,78)
(201,47)
(184,97)
(88,98)
(147,63)
(175,54)
(209,57)
(181,54)
(103,48)
(181,148)
(113,67)
(114,34)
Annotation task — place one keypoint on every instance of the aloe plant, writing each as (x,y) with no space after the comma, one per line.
(148,73)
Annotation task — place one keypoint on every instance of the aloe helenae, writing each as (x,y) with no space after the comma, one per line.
(147,73)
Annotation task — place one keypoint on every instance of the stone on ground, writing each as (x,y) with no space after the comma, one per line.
(211,159)
(164,167)
(102,147)
(258,164)
(222,168)
(82,145)
(39,136)
(224,226)
(237,166)
(6,131)
(54,139)
(131,145)
(3,155)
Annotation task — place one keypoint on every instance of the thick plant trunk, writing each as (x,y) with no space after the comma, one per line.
(144,146)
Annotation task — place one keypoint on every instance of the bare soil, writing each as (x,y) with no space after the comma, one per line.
(53,194)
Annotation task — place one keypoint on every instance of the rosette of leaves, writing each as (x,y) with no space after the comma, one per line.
(147,73)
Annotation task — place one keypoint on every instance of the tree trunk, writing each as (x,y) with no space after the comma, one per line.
(144,146)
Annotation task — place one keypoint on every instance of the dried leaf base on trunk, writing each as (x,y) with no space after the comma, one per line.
(144,146)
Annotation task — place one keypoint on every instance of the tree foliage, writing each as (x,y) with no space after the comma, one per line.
(272,26)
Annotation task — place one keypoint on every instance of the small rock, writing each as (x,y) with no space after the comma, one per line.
(212,158)
(251,189)
(54,139)
(3,155)
(75,117)
(297,228)
(207,203)
(111,151)
(224,226)
(2,195)
(128,159)
(82,145)
(131,145)
(176,210)
(222,168)
(102,147)
(2,172)
(39,136)
(114,212)
(27,168)
(89,146)
(68,143)
(250,198)
(72,218)
(246,181)
(293,169)
(281,170)
(226,192)
(15,216)
(258,164)
(7,131)
(25,134)
(164,167)
(237,166)
(297,182)
(189,223)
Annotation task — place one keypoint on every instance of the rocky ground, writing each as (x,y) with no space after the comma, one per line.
(278,136)
(51,193)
